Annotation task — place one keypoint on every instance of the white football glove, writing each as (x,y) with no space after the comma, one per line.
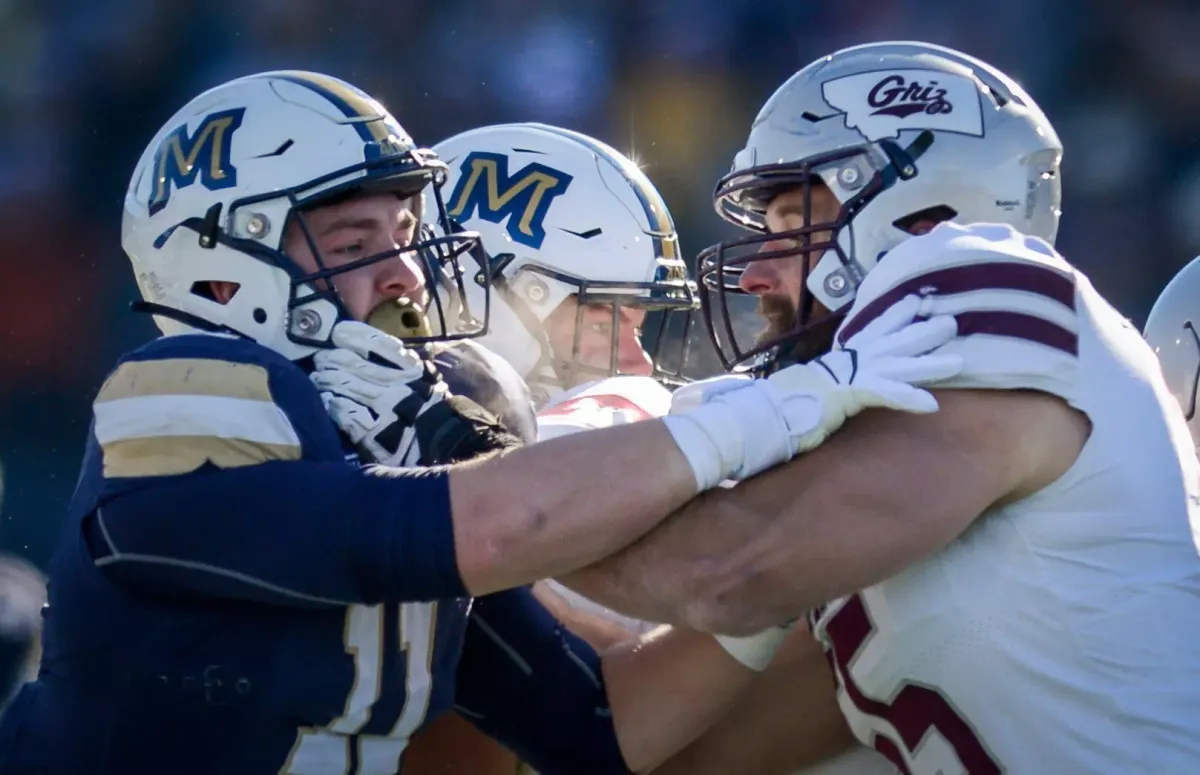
(376,404)
(877,367)
(734,426)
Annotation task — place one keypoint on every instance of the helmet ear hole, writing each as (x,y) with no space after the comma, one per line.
(220,291)
(923,220)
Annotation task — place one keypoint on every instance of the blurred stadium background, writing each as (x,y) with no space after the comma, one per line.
(85,83)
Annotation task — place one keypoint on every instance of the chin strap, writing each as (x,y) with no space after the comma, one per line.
(188,319)
(529,321)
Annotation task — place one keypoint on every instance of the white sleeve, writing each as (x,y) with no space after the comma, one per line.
(612,401)
(1015,300)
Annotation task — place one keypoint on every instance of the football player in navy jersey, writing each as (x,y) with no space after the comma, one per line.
(290,545)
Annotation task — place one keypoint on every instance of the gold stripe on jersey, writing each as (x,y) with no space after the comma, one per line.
(172,416)
(175,455)
(187,376)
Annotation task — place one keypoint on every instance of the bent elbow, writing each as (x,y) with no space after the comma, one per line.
(731,601)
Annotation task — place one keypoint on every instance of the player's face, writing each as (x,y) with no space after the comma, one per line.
(354,229)
(778,282)
(595,339)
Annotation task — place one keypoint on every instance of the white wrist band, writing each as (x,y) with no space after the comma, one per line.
(755,651)
(709,461)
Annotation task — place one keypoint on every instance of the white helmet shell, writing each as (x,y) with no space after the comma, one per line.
(894,130)
(1171,331)
(216,187)
(560,214)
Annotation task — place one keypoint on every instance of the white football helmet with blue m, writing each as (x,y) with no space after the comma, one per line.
(562,214)
(218,186)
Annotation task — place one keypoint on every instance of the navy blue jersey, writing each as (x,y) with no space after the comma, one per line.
(234,594)
(472,370)
(530,683)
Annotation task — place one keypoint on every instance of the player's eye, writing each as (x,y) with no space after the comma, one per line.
(408,233)
(352,249)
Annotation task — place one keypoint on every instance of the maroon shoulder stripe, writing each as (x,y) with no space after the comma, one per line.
(995,275)
(1017,325)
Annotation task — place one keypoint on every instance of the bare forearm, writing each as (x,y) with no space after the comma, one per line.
(667,690)
(832,522)
(548,508)
(671,574)
(788,719)
(736,561)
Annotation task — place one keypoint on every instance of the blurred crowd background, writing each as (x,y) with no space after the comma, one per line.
(85,83)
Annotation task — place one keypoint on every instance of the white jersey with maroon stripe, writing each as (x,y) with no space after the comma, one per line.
(1061,633)
(601,404)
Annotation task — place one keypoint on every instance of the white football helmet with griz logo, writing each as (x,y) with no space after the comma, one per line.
(901,133)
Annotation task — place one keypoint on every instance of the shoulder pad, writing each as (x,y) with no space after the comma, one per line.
(183,401)
(473,371)
(607,402)
(1015,300)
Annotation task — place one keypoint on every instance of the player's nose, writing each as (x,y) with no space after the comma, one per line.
(762,276)
(400,277)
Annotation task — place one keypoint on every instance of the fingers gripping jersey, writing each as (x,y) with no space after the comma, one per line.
(1056,633)
(473,371)
(1014,299)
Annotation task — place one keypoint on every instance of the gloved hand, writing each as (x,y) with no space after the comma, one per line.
(753,424)
(878,367)
(394,406)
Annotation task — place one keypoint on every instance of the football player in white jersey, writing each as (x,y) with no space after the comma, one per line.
(1010,585)
(1171,332)
(582,249)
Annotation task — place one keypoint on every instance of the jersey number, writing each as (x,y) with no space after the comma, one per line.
(926,733)
(339,748)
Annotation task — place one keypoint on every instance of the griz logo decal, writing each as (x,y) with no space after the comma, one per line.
(884,103)
(894,96)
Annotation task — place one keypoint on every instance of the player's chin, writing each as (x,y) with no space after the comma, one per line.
(775,328)
(640,367)
(780,316)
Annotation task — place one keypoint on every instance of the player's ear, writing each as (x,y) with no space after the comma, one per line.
(221,291)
